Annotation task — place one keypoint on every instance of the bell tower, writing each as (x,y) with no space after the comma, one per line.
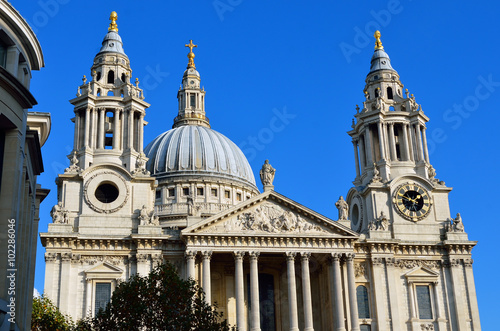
(393,171)
(109,109)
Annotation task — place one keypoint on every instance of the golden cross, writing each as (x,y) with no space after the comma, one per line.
(191,45)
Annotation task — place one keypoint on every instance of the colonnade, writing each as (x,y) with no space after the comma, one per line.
(254,314)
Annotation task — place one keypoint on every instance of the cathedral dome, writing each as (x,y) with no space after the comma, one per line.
(198,151)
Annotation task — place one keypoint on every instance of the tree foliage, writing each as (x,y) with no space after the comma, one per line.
(161,301)
(46,316)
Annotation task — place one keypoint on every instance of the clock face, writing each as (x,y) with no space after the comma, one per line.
(412,202)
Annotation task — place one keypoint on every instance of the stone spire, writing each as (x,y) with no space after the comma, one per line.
(190,96)
(389,134)
(110,110)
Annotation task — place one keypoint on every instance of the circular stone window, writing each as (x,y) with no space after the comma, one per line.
(106,193)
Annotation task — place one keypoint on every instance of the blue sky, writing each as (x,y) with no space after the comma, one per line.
(259,60)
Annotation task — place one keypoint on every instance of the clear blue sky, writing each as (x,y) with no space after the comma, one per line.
(309,58)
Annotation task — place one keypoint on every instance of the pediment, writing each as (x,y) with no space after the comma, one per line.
(270,213)
(103,269)
(422,274)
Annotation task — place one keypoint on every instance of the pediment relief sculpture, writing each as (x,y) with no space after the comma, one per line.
(268,218)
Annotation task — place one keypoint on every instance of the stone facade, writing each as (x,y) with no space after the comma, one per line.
(22,133)
(394,260)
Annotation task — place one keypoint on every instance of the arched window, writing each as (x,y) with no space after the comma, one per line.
(98,92)
(363,302)
(377,94)
(111,77)
(111,93)
(389,93)
(98,76)
(123,77)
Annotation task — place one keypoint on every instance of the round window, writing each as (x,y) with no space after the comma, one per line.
(106,192)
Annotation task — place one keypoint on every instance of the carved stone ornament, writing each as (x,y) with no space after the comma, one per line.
(270,218)
(410,264)
(59,214)
(427,327)
(455,224)
(360,269)
(97,178)
(140,166)
(50,257)
(111,259)
(380,223)
(148,217)
(73,168)
(376,175)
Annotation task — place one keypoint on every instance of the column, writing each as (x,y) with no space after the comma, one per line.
(116,120)
(87,126)
(64,289)
(413,310)
(362,154)
(412,155)
(77,126)
(88,298)
(356,158)
(143,268)
(471,291)
(206,284)
(405,144)
(353,303)
(292,292)
(426,150)
(190,257)
(368,146)
(392,142)
(306,292)
(100,135)
(131,129)
(381,141)
(392,277)
(337,292)
(459,302)
(239,290)
(141,132)
(419,143)
(254,292)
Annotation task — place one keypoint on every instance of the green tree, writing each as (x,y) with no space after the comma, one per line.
(161,301)
(46,316)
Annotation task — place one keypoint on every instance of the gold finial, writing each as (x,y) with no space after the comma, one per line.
(113,26)
(378,43)
(191,54)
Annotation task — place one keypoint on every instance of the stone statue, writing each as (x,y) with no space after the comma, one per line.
(343,208)
(267,174)
(59,214)
(144,215)
(192,208)
(73,167)
(381,223)
(140,165)
(455,224)
(376,174)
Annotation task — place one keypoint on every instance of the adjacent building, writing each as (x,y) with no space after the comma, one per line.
(394,260)
(22,133)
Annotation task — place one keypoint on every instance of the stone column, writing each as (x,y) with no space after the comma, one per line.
(240,291)
(336,297)
(141,132)
(87,127)
(439,313)
(351,284)
(381,140)
(64,289)
(392,276)
(292,292)
(190,257)
(207,276)
(459,302)
(426,150)
(413,310)
(88,298)
(116,117)
(77,131)
(306,292)
(254,292)
(403,145)
(471,291)
(142,264)
(412,155)
(362,154)
(418,141)
(368,146)
(392,142)
(101,134)
(356,158)
(131,129)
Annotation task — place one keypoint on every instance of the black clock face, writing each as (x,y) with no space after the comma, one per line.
(412,201)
